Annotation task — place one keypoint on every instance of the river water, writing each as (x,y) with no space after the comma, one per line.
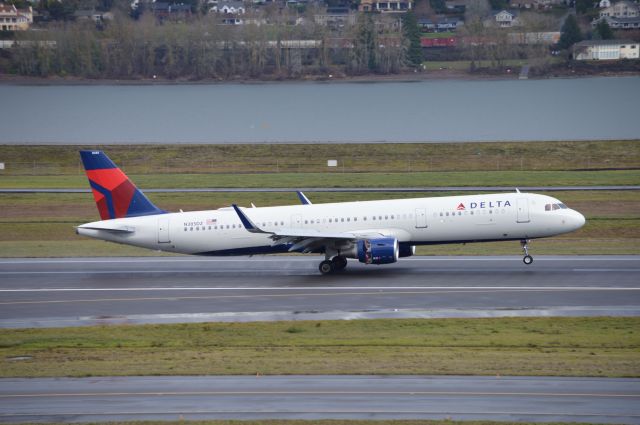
(427,111)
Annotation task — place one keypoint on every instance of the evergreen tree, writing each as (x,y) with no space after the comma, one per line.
(411,34)
(603,31)
(570,32)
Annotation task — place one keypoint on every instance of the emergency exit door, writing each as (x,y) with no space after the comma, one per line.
(163,231)
(421,218)
(523,210)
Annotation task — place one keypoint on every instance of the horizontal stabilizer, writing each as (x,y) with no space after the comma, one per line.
(119,229)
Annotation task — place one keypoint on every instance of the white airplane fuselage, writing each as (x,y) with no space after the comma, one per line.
(418,221)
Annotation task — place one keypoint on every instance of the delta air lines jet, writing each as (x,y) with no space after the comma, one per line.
(373,232)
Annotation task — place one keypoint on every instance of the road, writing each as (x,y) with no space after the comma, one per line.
(88,291)
(346,189)
(597,400)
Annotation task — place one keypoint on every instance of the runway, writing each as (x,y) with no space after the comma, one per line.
(89,291)
(543,399)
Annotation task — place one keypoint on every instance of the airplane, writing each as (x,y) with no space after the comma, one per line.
(372,232)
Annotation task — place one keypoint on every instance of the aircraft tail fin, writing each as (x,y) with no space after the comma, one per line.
(115,194)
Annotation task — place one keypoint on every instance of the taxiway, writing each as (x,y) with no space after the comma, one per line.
(542,399)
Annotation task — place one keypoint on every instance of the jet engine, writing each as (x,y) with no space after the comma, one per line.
(378,251)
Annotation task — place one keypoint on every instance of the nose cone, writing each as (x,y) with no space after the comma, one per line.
(577,220)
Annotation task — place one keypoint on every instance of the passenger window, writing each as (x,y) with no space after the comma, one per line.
(355,218)
(441,214)
(447,213)
(185,229)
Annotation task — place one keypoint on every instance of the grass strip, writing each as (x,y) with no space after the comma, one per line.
(595,346)
(351,157)
(338,179)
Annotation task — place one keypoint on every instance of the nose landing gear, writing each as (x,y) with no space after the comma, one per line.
(525,248)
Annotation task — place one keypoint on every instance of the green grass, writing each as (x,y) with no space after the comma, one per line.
(337,179)
(377,157)
(512,346)
(465,65)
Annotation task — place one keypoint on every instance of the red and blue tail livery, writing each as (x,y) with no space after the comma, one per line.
(115,195)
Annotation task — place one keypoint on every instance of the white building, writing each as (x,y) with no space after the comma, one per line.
(606,50)
(503,19)
(229,7)
(621,9)
(12,19)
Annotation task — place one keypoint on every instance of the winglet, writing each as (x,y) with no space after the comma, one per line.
(246,222)
(303,199)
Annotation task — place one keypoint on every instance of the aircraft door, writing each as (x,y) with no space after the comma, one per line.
(523,210)
(163,231)
(296,221)
(421,218)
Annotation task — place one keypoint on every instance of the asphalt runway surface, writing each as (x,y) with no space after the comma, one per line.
(596,400)
(89,291)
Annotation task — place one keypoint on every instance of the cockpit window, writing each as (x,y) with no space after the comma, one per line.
(553,207)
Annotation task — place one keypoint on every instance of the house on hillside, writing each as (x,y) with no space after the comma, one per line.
(606,50)
(233,7)
(13,19)
(164,10)
(336,17)
(440,24)
(619,23)
(621,9)
(503,19)
(385,6)
(92,15)
(536,4)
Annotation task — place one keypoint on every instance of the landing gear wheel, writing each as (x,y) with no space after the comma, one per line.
(525,248)
(339,262)
(326,267)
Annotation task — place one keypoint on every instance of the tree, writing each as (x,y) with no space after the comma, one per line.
(603,31)
(411,33)
(583,5)
(570,32)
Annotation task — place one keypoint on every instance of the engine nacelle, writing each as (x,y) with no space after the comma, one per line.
(407,250)
(378,251)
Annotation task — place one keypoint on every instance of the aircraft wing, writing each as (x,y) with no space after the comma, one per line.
(305,239)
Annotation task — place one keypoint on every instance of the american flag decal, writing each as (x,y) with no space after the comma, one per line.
(212,221)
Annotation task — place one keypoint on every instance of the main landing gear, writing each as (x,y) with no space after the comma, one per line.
(525,248)
(336,263)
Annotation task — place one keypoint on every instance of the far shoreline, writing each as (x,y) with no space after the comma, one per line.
(406,77)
